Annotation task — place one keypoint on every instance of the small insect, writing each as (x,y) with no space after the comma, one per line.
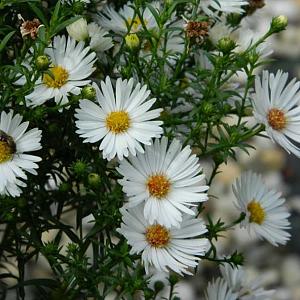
(5,138)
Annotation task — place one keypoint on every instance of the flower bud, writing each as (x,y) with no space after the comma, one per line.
(279,23)
(79,167)
(226,44)
(88,92)
(94,179)
(78,30)
(78,7)
(132,41)
(158,286)
(42,62)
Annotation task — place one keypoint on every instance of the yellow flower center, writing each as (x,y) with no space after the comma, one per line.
(118,122)
(57,79)
(276,119)
(257,212)
(157,236)
(7,147)
(158,186)
(135,23)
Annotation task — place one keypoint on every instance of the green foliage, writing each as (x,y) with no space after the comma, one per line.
(99,262)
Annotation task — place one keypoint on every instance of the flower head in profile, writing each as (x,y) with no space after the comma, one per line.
(266,216)
(122,118)
(15,142)
(219,290)
(275,105)
(127,20)
(71,65)
(167,179)
(242,286)
(164,248)
(213,7)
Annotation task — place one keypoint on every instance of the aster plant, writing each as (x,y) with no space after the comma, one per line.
(109,111)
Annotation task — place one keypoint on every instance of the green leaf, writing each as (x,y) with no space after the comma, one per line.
(64,24)
(39,13)
(43,281)
(5,40)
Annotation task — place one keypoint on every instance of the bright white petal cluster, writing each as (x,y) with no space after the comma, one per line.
(244,288)
(162,248)
(122,118)
(15,142)
(276,105)
(266,216)
(127,20)
(227,6)
(219,290)
(80,30)
(71,65)
(167,179)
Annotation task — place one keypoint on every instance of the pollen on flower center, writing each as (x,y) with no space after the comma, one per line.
(158,186)
(118,121)
(58,79)
(257,212)
(276,119)
(157,236)
(7,147)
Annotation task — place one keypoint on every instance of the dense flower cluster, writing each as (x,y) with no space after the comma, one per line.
(145,84)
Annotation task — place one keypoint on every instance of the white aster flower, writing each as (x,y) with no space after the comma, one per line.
(121,118)
(120,22)
(15,142)
(71,65)
(226,6)
(275,105)
(266,216)
(80,30)
(219,290)
(244,288)
(162,248)
(167,179)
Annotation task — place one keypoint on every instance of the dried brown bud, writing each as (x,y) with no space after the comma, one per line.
(30,28)
(254,5)
(197,30)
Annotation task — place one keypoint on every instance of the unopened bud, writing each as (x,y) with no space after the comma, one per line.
(226,44)
(42,62)
(94,179)
(88,92)
(132,41)
(279,23)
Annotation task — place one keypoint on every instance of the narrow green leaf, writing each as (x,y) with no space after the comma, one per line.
(39,13)
(5,40)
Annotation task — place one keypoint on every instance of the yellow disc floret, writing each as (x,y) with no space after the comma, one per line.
(7,147)
(157,236)
(158,186)
(257,212)
(276,119)
(58,77)
(118,122)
